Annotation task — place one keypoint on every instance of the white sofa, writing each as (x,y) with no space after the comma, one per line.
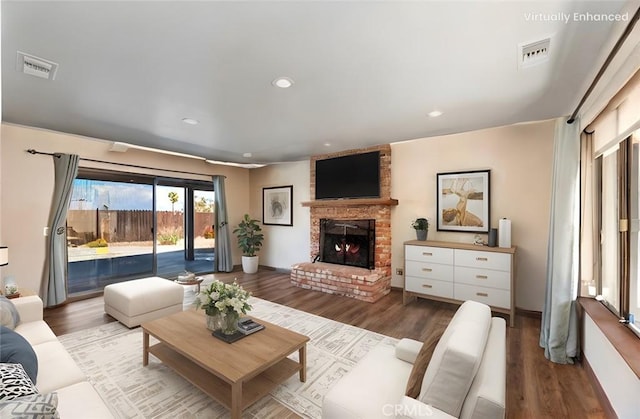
(57,372)
(465,377)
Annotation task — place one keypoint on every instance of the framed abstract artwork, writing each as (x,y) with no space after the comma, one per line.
(463,201)
(276,206)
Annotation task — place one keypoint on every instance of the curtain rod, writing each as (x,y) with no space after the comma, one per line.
(604,67)
(32,151)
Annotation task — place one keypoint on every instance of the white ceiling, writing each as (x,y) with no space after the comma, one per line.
(365,73)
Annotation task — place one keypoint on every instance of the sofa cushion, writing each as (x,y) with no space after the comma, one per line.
(486,398)
(76,400)
(15,349)
(456,358)
(57,368)
(414,384)
(36,332)
(41,406)
(30,308)
(15,382)
(9,316)
(353,395)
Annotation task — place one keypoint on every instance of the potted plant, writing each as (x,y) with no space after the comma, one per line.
(249,240)
(421,225)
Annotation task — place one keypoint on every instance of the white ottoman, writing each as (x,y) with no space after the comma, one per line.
(141,300)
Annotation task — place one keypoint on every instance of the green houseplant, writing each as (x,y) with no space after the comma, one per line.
(249,241)
(421,225)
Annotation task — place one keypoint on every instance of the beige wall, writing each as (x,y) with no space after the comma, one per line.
(520,160)
(27,187)
(284,246)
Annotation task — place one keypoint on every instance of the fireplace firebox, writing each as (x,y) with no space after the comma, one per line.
(348,242)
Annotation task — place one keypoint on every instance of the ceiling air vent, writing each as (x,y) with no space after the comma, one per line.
(35,66)
(533,53)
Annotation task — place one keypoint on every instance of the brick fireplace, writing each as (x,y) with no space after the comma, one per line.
(357,282)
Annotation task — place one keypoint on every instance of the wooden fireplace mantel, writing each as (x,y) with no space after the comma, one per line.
(350,202)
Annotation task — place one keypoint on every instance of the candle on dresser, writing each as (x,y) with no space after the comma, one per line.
(504,233)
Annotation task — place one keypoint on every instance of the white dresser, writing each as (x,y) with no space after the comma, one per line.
(456,272)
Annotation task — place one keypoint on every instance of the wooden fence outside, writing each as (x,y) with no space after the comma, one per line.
(117,226)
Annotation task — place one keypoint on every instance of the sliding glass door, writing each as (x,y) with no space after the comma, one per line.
(109,232)
(122,226)
(204,234)
(170,225)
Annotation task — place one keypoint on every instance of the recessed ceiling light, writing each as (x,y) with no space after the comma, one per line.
(247,155)
(282,82)
(190,121)
(327,144)
(434,114)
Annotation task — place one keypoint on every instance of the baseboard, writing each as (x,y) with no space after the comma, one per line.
(529,313)
(597,389)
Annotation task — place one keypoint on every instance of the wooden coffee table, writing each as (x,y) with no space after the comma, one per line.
(236,374)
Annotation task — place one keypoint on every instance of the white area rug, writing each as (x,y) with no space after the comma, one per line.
(111,356)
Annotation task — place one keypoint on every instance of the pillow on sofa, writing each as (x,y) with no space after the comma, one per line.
(456,358)
(14,349)
(15,382)
(9,315)
(41,406)
(422,361)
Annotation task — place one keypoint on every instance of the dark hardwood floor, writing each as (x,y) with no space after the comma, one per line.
(536,388)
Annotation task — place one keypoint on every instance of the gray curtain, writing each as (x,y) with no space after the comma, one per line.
(54,282)
(224,261)
(559,328)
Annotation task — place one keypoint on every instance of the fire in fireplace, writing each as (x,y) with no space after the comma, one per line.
(348,242)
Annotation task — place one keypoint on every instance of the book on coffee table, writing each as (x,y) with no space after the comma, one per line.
(248,326)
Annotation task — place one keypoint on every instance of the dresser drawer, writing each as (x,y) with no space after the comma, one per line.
(429,287)
(429,270)
(490,296)
(482,277)
(484,260)
(429,254)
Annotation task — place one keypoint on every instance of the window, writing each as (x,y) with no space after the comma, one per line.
(618,172)
(122,226)
(610,221)
(609,234)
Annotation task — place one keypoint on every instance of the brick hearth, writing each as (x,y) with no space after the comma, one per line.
(363,284)
(349,281)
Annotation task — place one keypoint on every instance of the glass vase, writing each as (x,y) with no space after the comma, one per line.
(213,322)
(230,323)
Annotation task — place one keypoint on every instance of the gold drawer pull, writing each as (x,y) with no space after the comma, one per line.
(427,269)
(427,254)
(482,259)
(427,286)
(482,276)
(482,294)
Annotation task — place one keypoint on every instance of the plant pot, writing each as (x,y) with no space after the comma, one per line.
(422,234)
(250,264)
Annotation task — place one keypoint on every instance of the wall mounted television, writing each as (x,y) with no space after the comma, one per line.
(350,176)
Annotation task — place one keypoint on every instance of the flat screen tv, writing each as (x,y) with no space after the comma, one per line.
(351,176)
